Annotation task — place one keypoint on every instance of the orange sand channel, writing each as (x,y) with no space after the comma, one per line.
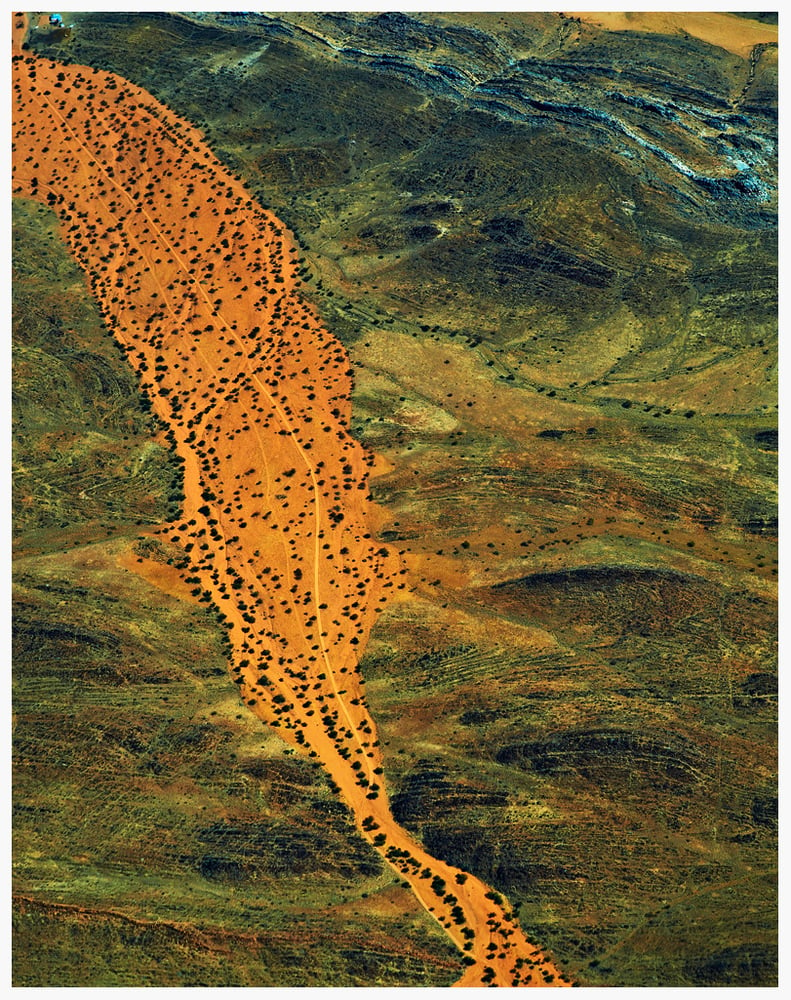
(198,284)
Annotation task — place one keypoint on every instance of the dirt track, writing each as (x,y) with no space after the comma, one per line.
(199,285)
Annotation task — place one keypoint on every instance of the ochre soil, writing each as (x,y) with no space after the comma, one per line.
(199,285)
(729,32)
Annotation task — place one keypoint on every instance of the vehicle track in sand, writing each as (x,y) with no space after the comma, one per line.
(199,285)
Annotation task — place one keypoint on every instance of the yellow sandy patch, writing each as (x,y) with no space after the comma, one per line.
(729,32)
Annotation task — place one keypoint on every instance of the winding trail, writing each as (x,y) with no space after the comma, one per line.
(199,285)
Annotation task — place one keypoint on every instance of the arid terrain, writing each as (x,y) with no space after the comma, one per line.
(395,500)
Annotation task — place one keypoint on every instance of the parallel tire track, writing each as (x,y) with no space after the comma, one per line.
(199,285)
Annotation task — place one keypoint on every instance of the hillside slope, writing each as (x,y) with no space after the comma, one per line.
(550,251)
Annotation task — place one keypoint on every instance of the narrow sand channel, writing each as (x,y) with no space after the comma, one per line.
(199,285)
